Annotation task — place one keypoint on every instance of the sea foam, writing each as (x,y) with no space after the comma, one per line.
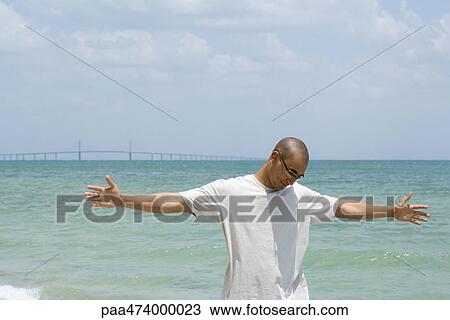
(12,293)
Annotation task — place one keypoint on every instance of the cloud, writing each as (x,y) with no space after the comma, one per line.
(172,52)
(374,23)
(192,45)
(353,18)
(138,48)
(13,34)
(187,6)
(126,47)
(281,55)
(441,40)
(228,64)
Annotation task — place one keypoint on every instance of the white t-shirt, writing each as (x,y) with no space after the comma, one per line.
(266,232)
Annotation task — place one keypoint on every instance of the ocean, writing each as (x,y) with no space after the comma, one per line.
(154,259)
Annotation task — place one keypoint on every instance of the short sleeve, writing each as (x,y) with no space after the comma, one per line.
(316,207)
(206,200)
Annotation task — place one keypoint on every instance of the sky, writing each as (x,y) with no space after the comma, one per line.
(225,70)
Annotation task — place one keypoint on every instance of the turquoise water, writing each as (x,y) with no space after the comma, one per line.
(161,260)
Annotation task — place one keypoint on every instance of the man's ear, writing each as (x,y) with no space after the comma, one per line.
(273,157)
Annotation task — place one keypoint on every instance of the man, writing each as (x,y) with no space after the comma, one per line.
(265,218)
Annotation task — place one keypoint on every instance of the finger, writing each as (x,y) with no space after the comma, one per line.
(413,221)
(418,206)
(94,198)
(96,188)
(420,213)
(103,204)
(420,219)
(95,204)
(91,194)
(110,182)
(407,197)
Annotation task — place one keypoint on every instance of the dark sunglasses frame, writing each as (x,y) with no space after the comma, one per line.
(292,174)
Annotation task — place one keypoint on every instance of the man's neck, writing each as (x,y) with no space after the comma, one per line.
(261,176)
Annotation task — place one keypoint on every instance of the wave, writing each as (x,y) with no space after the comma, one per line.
(12,293)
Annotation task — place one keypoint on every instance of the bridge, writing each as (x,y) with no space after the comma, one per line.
(128,155)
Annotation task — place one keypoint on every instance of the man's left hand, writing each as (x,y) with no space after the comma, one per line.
(406,212)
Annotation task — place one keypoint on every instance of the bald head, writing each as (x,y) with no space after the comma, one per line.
(287,163)
(291,147)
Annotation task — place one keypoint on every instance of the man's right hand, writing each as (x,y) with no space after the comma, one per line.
(107,197)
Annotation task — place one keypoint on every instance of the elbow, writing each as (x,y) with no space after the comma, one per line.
(348,211)
(168,203)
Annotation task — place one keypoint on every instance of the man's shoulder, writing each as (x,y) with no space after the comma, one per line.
(242,178)
(233,184)
(303,191)
(234,181)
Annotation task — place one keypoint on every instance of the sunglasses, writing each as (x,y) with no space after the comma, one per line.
(291,173)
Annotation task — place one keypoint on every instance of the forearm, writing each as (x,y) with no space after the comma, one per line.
(161,202)
(140,202)
(364,211)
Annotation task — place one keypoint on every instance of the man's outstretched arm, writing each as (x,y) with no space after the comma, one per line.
(402,211)
(161,202)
